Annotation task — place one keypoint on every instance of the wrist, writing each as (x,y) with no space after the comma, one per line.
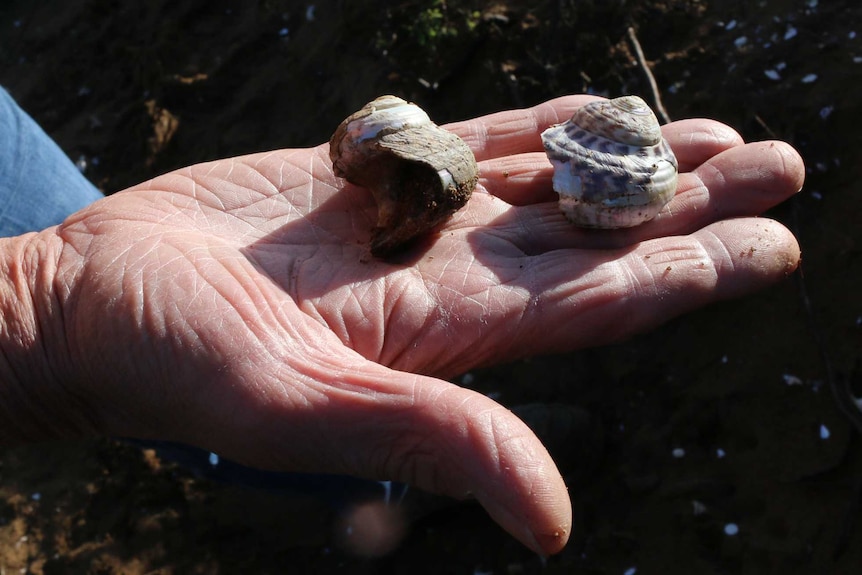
(38,399)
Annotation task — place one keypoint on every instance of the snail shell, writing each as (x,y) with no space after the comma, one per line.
(612,168)
(419,173)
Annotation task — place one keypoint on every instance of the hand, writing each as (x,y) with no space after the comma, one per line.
(233,306)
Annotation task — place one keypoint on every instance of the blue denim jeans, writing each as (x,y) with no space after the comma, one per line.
(40,187)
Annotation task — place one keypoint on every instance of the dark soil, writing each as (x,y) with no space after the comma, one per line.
(726,416)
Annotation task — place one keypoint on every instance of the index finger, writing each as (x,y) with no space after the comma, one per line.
(696,140)
(515,131)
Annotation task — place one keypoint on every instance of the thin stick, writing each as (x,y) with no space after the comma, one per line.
(650,78)
(764,125)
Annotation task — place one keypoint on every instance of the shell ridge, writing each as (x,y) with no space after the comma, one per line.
(612,167)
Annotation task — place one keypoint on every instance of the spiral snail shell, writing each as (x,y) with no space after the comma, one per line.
(612,168)
(419,173)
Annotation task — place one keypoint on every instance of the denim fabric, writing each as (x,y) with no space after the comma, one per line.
(39,184)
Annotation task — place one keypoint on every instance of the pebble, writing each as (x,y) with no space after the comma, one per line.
(791,379)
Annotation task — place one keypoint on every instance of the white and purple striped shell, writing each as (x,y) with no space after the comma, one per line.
(612,168)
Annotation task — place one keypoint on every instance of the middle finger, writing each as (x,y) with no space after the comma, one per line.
(740,181)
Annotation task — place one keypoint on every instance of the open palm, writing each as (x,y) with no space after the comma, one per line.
(234,306)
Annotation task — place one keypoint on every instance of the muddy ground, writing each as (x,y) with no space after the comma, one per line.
(723,418)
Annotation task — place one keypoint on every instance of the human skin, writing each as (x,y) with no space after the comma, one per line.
(233,305)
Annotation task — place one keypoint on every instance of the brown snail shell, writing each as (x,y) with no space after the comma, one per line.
(612,168)
(419,173)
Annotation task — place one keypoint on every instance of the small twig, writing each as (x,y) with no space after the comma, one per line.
(842,392)
(766,127)
(656,96)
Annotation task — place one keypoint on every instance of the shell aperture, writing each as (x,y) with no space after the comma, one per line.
(612,168)
(419,173)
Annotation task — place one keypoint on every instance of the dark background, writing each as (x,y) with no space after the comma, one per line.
(131,90)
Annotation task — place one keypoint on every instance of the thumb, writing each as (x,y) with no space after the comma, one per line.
(460,443)
(392,425)
(483,449)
